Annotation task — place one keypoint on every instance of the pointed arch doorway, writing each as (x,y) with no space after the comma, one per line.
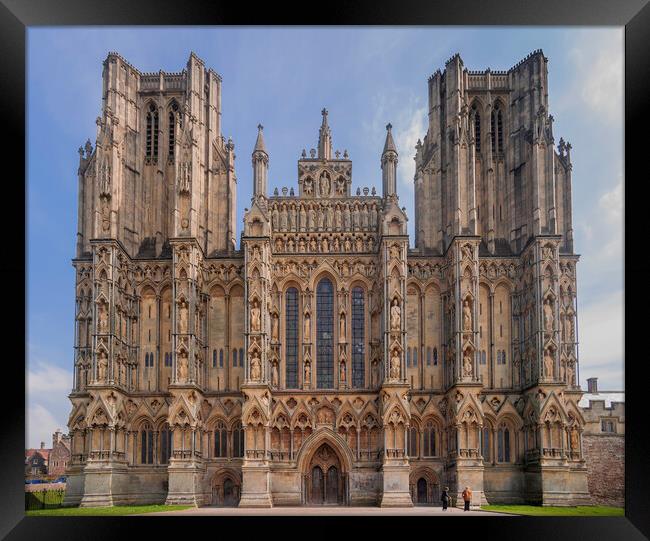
(325,481)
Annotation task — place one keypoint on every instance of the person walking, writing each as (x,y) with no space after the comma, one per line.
(445,498)
(467,497)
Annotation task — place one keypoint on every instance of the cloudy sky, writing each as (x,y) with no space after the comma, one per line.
(281,77)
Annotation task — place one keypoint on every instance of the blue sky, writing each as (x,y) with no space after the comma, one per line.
(282,77)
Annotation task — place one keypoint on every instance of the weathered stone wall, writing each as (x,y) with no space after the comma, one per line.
(605,455)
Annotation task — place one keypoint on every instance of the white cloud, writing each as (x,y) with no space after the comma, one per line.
(48,386)
(598,65)
(600,330)
(611,203)
(411,127)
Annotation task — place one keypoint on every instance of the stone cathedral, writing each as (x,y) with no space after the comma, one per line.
(326,361)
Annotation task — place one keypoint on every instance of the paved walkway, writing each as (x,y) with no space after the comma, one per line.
(325,511)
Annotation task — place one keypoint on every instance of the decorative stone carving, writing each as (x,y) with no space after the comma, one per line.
(256,317)
(575,439)
(102,366)
(342,372)
(182,316)
(342,327)
(395,364)
(307,327)
(274,327)
(324,185)
(275,376)
(182,366)
(548,363)
(467,315)
(395,316)
(307,372)
(256,366)
(548,315)
(467,363)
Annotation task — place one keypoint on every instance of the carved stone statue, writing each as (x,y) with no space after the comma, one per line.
(548,364)
(102,366)
(324,185)
(292,218)
(467,316)
(256,366)
(275,218)
(338,219)
(467,363)
(182,316)
(275,376)
(256,317)
(342,372)
(307,186)
(575,439)
(548,315)
(395,316)
(307,372)
(182,367)
(303,218)
(274,328)
(103,317)
(375,373)
(395,365)
(346,217)
(342,327)
(307,328)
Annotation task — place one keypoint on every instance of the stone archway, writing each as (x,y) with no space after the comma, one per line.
(226,489)
(325,481)
(425,487)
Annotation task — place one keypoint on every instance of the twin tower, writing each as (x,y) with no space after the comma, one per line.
(325,361)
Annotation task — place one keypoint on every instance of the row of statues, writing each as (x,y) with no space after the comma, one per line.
(333,216)
(326,244)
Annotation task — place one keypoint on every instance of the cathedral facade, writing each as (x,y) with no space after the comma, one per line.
(325,361)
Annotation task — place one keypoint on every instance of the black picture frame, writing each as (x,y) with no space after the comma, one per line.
(17,15)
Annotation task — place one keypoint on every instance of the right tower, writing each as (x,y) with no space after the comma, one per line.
(493,199)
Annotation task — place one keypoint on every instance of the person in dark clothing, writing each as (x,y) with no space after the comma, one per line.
(445,498)
(467,497)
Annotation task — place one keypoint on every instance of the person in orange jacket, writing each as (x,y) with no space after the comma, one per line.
(467,497)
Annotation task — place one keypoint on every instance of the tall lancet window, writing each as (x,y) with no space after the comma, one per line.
(291,337)
(496,128)
(152,133)
(358,328)
(477,127)
(172,131)
(325,334)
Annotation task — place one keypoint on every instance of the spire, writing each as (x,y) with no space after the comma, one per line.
(260,165)
(389,164)
(390,144)
(259,144)
(324,139)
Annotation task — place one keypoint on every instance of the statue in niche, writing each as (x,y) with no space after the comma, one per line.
(359,244)
(290,245)
(307,324)
(307,372)
(562,370)
(467,252)
(371,244)
(312,245)
(292,218)
(373,217)
(340,186)
(355,217)
(467,363)
(336,245)
(303,218)
(320,215)
(570,326)
(346,217)
(330,216)
(364,217)
(103,317)
(182,367)
(283,218)
(375,373)
(324,245)
(308,186)
(342,372)
(575,439)
(301,245)
(347,245)
(394,251)
(275,218)
(395,316)
(182,316)
(102,366)
(256,317)
(548,363)
(342,327)
(467,316)
(548,315)
(571,374)
(275,376)
(324,185)
(256,366)
(395,364)
(121,371)
(274,328)
(311,217)
(338,218)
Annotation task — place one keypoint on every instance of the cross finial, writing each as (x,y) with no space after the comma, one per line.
(389,126)
(260,127)
(324,112)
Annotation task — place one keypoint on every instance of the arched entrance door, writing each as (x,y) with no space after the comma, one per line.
(324,478)
(422,491)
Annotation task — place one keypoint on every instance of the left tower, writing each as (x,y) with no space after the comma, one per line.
(156,196)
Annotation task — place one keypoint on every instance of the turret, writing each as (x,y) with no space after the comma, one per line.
(389,164)
(260,165)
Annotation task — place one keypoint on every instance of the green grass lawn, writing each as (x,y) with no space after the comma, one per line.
(539,511)
(104,511)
